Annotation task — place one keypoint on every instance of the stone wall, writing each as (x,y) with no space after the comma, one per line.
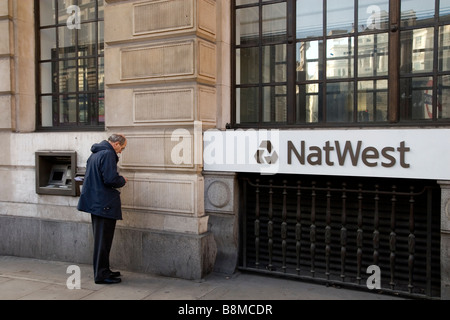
(222,207)
(161,75)
(17,63)
(6,64)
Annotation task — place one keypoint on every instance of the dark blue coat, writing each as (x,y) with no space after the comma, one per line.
(99,195)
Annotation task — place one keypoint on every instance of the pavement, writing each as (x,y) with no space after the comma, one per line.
(32,279)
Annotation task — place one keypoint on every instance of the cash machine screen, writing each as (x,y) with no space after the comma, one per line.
(60,176)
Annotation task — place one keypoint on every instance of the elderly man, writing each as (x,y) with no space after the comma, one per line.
(101,199)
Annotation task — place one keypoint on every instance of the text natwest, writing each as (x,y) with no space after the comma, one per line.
(370,156)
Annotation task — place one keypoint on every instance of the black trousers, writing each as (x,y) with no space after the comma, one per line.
(103,229)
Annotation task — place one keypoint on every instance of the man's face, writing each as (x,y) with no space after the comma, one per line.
(118,147)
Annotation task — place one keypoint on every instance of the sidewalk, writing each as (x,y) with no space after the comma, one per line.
(30,279)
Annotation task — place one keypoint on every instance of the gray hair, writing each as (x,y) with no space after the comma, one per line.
(117,138)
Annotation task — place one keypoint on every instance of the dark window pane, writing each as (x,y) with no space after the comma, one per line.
(67,109)
(443,107)
(274,18)
(88,113)
(417,50)
(63,15)
(444,48)
(340,16)
(67,76)
(373,55)
(247,26)
(47,12)
(340,102)
(444,10)
(87,74)
(274,64)
(87,9)
(67,43)
(308,101)
(101,108)
(101,73)
(309,19)
(416,12)
(416,98)
(101,11)
(275,104)
(309,64)
(247,66)
(47,103)
(373,15)
(87,39)
(340,58)
(48,43)
(372,101)
(101,38)
(48,80)
(247,105)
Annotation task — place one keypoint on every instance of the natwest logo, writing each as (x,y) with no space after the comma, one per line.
(243,148)
(341,153)
(266,154)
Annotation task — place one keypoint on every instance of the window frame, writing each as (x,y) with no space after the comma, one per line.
(57,94)
(394,116)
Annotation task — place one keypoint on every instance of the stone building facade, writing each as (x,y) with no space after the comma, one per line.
(167,67)
(162,82)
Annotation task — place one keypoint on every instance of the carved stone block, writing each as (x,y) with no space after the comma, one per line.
(127,21)
(220,192)
(176,194)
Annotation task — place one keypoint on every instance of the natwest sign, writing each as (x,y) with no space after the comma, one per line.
(354,152)
(408,153)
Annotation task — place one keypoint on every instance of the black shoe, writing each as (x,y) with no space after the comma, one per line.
(114,274)
(108,281)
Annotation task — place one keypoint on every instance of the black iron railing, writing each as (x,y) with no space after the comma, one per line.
(333,230)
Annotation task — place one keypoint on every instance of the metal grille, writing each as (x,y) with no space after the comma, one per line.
(331,230)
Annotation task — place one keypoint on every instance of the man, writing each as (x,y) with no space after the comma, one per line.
(101,199)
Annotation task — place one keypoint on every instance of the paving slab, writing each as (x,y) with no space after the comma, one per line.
(32,279)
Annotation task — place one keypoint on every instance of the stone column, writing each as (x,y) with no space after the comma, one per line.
(222,204)
(445,240)
(17,63)
(6,64)
(160,74)
(24,66)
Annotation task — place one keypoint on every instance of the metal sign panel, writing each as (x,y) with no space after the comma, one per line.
(399,153)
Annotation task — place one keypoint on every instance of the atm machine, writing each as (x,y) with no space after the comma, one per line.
(55,173)
(60,176)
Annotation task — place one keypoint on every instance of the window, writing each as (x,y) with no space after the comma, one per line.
(424,73)
(334,63)
(70,65)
